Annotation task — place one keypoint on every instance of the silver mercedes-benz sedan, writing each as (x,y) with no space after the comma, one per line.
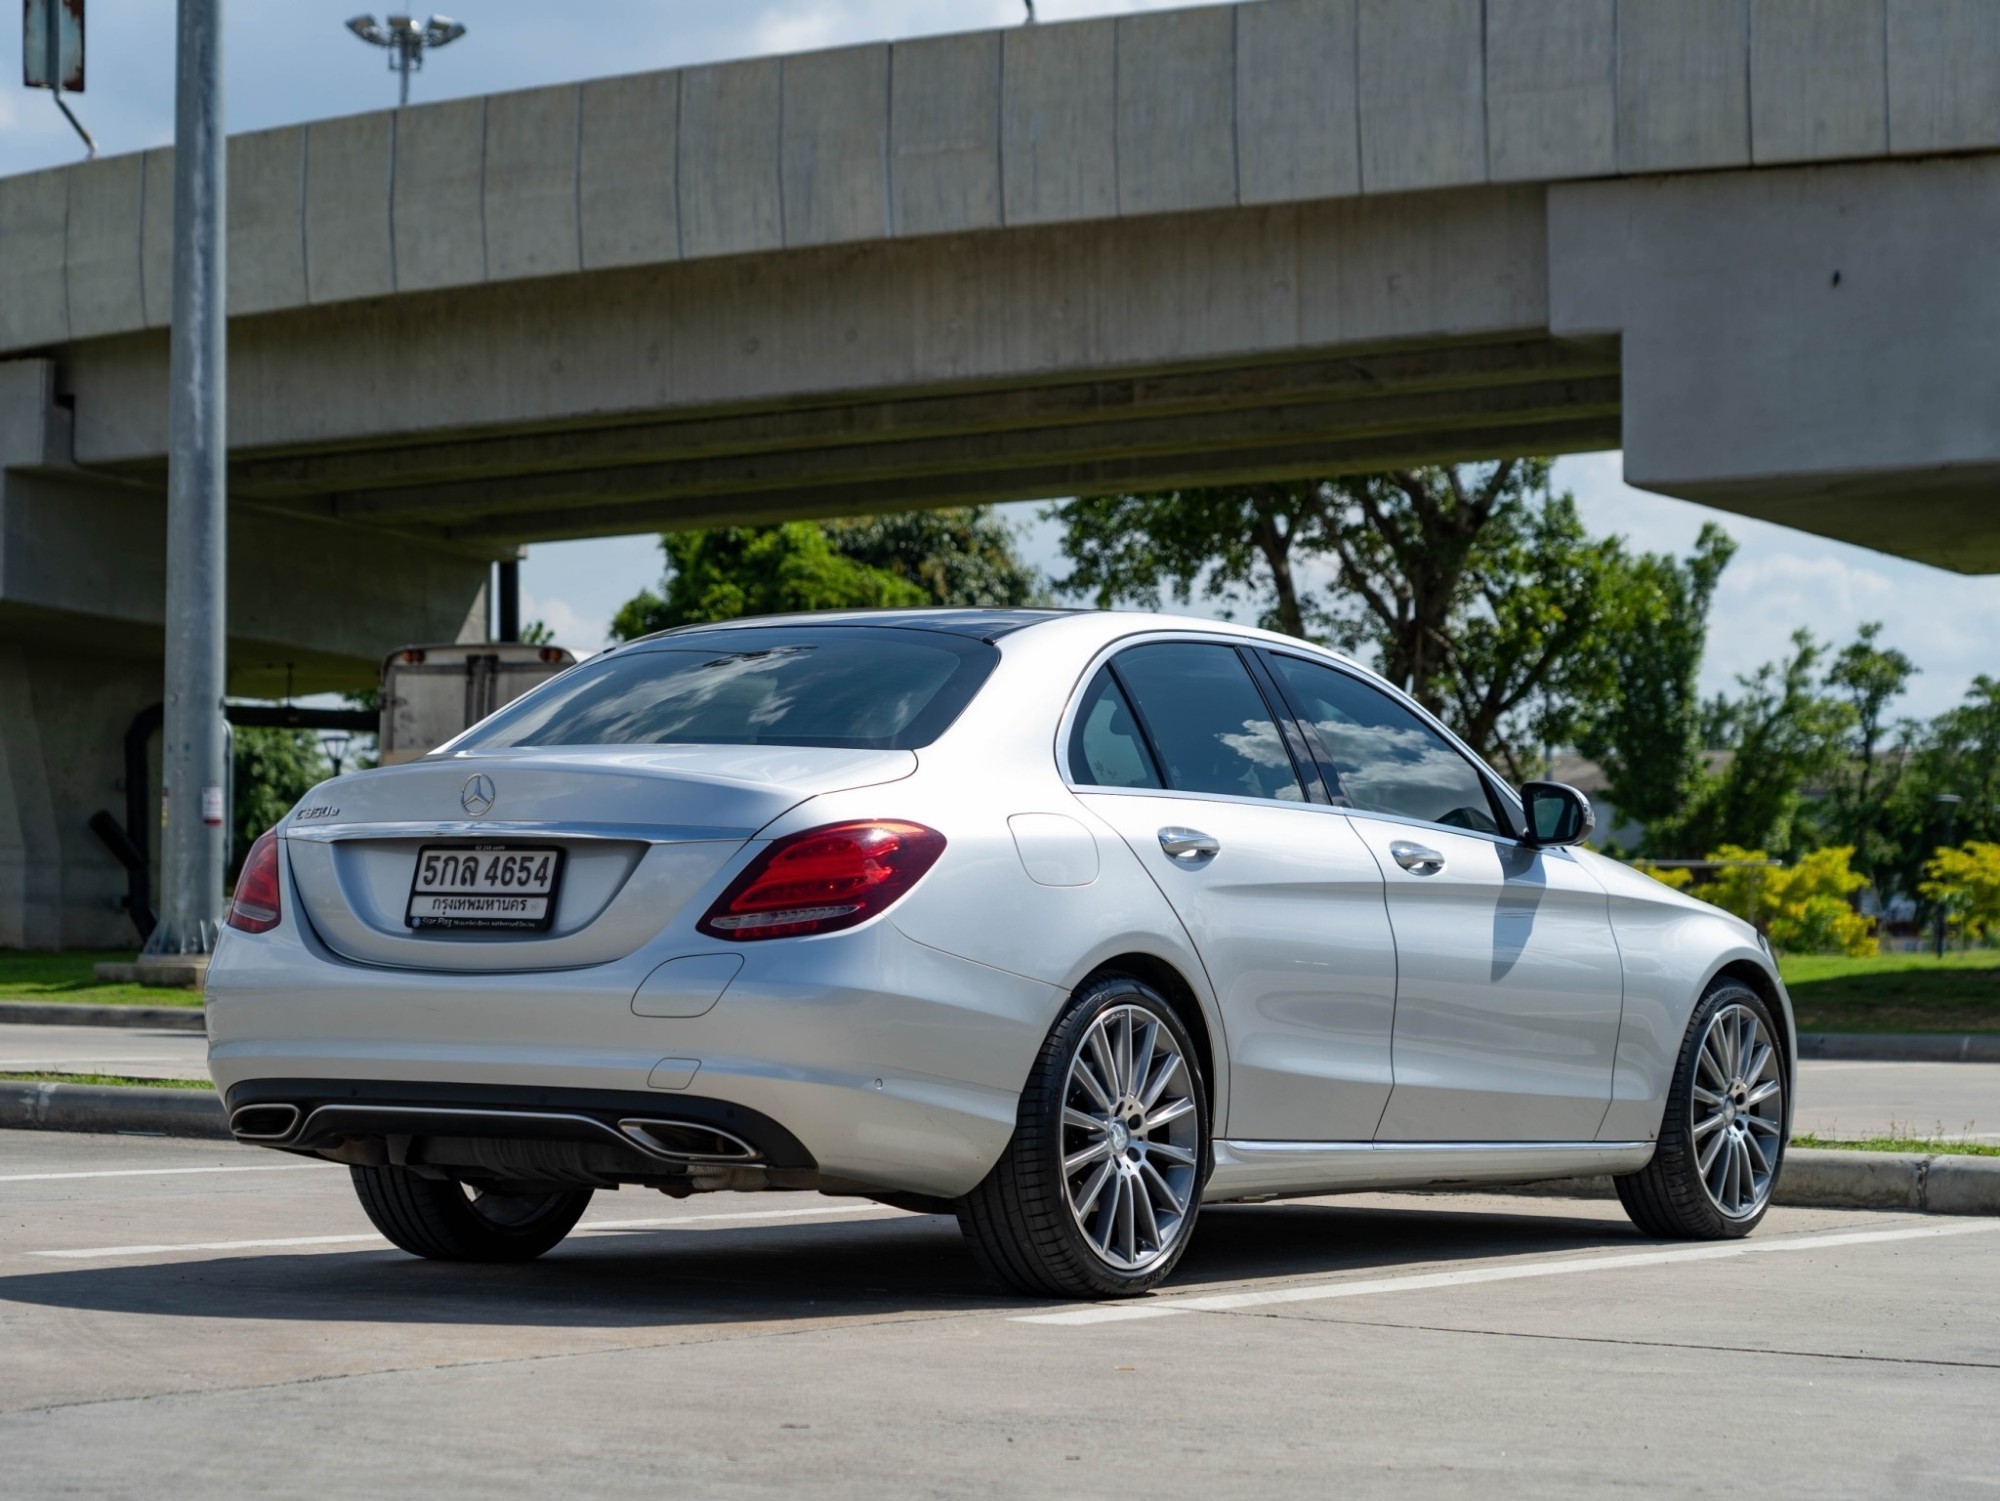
(1064,922)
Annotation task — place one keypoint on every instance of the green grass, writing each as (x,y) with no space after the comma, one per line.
(68,977)
(123,1081)
(1895,992)
(1931,1145)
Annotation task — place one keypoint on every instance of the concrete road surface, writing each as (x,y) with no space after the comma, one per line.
(181,1319)
(1835,1098)
(1958,1100)
(135,1051)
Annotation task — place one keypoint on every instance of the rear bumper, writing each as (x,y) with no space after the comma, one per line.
(862,1057)
(314,1114)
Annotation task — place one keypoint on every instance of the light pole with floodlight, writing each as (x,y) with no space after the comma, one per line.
(407,39)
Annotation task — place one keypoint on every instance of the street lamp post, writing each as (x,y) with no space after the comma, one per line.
(194,748)
(335,744)
(407,40)
(1947,806)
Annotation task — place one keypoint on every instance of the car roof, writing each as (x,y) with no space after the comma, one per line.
(992,623)
(981,624)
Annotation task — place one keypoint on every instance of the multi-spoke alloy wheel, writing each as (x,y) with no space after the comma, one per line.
(1737,1105)
(1722,1138)
(1130,1134)
(1096,1195)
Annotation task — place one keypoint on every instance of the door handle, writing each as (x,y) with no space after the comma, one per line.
(1416,858)
(1189,845)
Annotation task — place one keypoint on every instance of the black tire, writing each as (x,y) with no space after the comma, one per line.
(445,1221)
(1019,1219)
(1669,1197)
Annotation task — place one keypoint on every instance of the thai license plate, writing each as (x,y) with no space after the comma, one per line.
(484,886)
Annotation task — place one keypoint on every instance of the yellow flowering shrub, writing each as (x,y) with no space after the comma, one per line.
(1966,882)
(1803,909)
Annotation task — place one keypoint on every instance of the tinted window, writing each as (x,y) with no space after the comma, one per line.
(1206,721)
(1386,759)
(1105,748)
(850,687)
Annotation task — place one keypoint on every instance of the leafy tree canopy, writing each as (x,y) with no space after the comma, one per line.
(961,556)
(1475,588)
(1783,732)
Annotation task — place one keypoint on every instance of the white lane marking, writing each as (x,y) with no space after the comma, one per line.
(1226,1302)
(670,1221)
(92,1063)
(105,1253)
(167,1172)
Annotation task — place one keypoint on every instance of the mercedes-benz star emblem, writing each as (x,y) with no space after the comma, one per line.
(476,797)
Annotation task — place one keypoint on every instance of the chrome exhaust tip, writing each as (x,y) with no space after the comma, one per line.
(264,1122)
(687,1141)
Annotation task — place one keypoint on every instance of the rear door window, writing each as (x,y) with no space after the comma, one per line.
(1106,748)
(1205,721)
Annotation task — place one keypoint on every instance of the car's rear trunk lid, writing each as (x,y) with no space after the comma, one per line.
(640,831)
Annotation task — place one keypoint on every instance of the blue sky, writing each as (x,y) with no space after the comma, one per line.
(290,60)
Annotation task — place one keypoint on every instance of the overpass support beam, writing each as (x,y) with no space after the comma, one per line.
(1817,346)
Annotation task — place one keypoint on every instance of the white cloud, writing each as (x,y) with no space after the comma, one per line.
(1781,579)
(584,631)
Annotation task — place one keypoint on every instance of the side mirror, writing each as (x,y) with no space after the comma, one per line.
(1557,814)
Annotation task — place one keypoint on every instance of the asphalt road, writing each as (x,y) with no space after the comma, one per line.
(1835,1098)
(181,1318)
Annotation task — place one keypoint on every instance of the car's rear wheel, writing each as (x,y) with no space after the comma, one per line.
(1722,1140)
(449,1221)
(1096,1195)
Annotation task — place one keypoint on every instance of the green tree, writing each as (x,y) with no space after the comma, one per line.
(1868,677)
(961,556)
(1783,733)
(1241,546)
(1475,588)
(273,770)
(1957,753)
(757,570)
(1646,735)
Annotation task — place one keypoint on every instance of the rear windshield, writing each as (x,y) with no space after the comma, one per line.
(850,687)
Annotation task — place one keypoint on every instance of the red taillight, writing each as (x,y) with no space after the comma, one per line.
(256,906)
(824,880)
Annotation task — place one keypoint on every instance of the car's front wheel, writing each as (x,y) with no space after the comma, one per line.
(1096,1194)
(1722,1140)
(448,1221)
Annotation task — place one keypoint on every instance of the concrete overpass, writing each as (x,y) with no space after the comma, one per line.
(1749,241)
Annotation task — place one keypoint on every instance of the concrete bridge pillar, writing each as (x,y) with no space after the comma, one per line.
(313,606)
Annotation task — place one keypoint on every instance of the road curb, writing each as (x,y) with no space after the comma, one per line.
(111,1108)
(1930,1183)
(1819,1178)
(80,1014)
(1901,1047)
